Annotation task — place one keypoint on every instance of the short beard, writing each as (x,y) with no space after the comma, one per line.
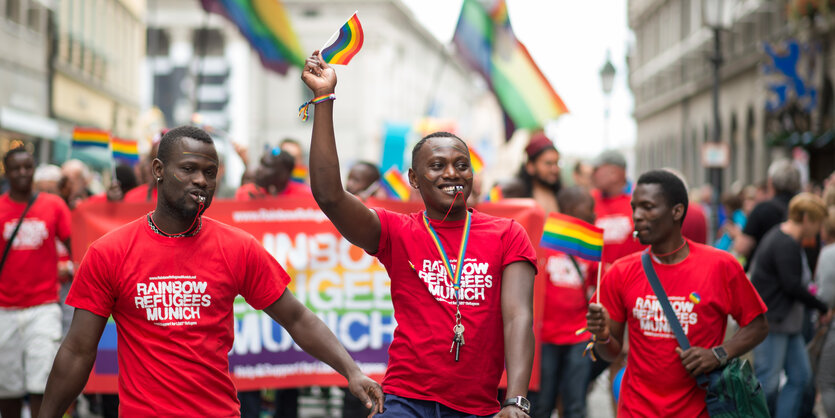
(179,209)
(554,186)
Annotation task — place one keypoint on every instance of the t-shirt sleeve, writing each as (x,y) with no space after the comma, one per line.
(758,221)
(265,280)
(610,294)
(92,288)
(64,225)
(518,246)
(745,301)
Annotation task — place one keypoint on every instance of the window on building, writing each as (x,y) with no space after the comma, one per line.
(685,18)
(13,10)
(33,16)
(735,171)
(208,42)
(157,42)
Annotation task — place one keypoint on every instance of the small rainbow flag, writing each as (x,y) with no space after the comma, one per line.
(347,44)
(396,187)
(475,161)
(90,137)
(125,150)
(495,194)
(572,236)
(299,174)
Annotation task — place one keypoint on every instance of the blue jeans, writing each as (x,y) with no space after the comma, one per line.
(400,407)
(565,372)
(777,353)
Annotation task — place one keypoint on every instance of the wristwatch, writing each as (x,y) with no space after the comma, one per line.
(720,354)
(518,401)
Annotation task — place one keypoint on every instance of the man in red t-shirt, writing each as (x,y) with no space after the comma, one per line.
(704,286)
(564,368)
(461,281)
(272,178)
(169,279)
(29,311)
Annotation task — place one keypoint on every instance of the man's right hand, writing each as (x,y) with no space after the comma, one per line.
(597,321)
(318,75)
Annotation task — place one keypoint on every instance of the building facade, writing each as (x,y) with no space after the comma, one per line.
(671,78)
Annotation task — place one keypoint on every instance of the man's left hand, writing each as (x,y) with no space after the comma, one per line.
(698,360)
(511,411)
(368,392)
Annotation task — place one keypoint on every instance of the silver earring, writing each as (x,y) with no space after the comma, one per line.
(159,179)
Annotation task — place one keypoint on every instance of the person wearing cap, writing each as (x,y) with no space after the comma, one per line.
(539,177)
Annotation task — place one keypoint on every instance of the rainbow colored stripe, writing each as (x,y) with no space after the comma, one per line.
(266,25)
(476,162)
(525,95)
(396,187)
(347,44)
(299,174)
(572,236)
(90,137)
(125,150)
(454,275)
(495,194)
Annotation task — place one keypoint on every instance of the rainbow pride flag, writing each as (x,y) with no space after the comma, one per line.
(495,194)
(485,39)
(572,236)
(125,150)
(266,25)
(475,161)
(299,174)
(90,137)
(395,185)
(347,44)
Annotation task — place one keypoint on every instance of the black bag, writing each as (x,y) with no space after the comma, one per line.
(733,391)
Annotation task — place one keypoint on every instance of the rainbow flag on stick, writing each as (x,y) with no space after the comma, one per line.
(299,174)
(90,137)
(475,161)
(572,236)
(395,185)
(347,43)
(125,150)
(495,194)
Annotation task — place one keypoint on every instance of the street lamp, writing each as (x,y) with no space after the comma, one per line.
(717,17)
(607,80)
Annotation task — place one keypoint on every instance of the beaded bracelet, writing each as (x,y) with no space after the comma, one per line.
(304,107)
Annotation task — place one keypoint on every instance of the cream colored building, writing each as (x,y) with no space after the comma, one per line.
(671,79)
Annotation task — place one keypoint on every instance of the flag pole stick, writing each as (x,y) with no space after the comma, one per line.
(599,270)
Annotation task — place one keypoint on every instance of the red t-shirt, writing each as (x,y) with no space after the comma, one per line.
(250,191)
(614,216)
(694,226)
(566,300)
(420,363)
(704,289)
(30,276)
(140,194)
(172,301)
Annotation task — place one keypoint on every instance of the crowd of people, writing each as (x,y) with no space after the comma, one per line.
(765,257)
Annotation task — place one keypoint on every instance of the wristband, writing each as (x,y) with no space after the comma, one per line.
(304,107)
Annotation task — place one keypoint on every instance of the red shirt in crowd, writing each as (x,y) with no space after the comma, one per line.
(172,301)
(614,216)
(703,289)
(250,191)
(694,225)
(566,300)
(140,194)
(30,275)
(420,363)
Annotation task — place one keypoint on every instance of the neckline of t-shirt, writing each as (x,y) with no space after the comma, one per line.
(173,241)
(436,223)
(8,198)
(689,255)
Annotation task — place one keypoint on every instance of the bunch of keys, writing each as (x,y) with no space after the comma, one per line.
(458,337)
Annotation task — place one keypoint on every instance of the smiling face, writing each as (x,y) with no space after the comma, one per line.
(442,169)
(652,215)
(189,175)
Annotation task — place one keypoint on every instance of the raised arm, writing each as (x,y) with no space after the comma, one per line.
(517,315)
(73,363)
(352,218)
(314,337)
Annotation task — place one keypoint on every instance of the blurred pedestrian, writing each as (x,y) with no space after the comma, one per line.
(582,174)
(76,182)
(31,224)
(272,178)
(169,279)
(825,278)
(363,179)
(539,177)
(485,315)
(47,179)
(703,284)
(782,276)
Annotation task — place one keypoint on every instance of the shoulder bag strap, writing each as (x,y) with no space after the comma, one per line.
(16,228)
(672,319)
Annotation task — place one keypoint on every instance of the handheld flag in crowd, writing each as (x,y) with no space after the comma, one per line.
(125,150)
(347,44)
(476,162)
(572,236)
(299,174)
(495,194)
(395,185)
(90,137)
(266,25)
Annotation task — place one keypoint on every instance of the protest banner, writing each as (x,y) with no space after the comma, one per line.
(343,285)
